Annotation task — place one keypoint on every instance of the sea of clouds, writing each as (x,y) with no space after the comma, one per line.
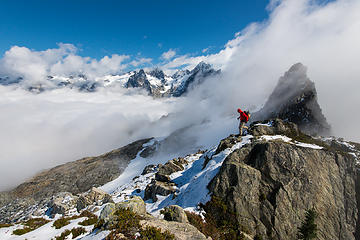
(39,131)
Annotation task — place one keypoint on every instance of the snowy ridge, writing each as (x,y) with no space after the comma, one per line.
(155,81)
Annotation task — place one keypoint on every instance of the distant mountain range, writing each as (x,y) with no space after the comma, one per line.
(154,81)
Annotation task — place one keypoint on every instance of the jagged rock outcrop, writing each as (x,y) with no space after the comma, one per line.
(270,184)
(196,77)
(295,99)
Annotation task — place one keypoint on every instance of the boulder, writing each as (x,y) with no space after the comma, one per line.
(107,213)
(174,213)
(135,204)
(62,203)
(162,177)
(170,167)
(160,188)
(95,196)
(181,231)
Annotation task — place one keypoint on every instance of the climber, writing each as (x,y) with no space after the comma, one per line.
(244,118)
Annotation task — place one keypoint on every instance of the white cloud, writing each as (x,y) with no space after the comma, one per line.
(168,55)
(141,61)
(35,66)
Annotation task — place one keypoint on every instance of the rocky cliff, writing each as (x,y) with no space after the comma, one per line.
(270,184)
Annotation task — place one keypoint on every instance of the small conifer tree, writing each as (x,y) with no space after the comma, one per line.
(308,229)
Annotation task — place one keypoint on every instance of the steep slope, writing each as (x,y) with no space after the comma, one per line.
(295,99)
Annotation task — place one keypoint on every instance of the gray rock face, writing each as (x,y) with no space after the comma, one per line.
(295,99)
(270,185)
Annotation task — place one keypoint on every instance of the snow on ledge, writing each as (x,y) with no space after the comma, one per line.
(289,140)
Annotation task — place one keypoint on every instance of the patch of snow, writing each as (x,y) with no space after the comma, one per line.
(268,124)
(44,232)
(153,80)
(307,145)
(96,235)
(275,137)
(289,140)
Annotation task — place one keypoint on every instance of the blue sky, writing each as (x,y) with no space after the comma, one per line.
(143,27)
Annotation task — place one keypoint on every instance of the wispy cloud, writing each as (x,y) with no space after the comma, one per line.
(168,55)
(140,61)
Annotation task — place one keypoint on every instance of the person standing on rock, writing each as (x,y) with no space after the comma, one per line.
(244,118)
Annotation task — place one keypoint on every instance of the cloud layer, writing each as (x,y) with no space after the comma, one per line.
(40,131)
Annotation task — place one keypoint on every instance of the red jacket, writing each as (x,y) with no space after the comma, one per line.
(243,116)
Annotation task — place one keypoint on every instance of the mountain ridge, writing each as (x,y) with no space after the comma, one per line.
(154,81)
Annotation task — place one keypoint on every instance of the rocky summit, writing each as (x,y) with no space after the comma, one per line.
(295,99)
